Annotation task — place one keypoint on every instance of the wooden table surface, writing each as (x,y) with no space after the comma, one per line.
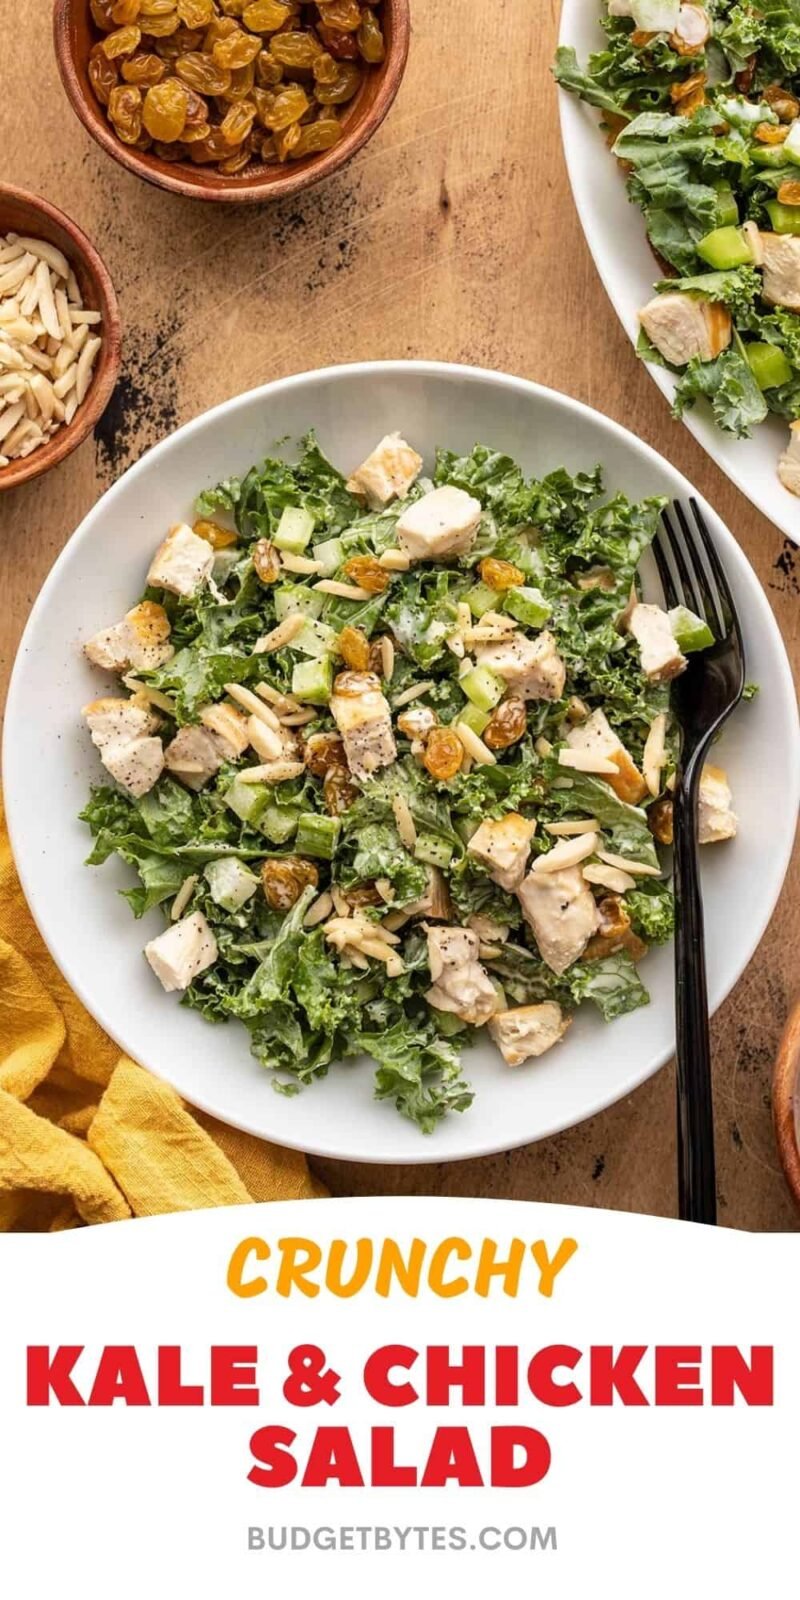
(452,236)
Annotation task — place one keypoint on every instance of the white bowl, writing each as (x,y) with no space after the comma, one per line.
(49,764)
(615,234)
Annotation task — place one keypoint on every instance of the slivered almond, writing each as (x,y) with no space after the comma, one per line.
(639,869)
(387,658)
(609,878)
(413,693)
(285,632)
(588,761)
(474,746)
(384,888)
(395,920)
(155,696)
(573,825)
(298,719)
(264,740)
(271,772)
(342,591)
(567,853)
(340,902)
(300,564)
(186,768)
(251,702)
(405,822)
(655,753)
(395,561)
(318,911)
(543,746)
(183,896)
(283,703)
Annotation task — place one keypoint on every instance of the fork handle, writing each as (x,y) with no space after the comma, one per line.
(697,1189)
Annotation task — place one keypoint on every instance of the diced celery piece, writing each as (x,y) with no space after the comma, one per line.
(482,687)
(724,248)
(294,530)
(312,681)
(433,850)
(768,155)
(474,718)
(247,801)
(279,822)
(481,599)
(315,639)
(689,631)
(791,144)
(230,883)
(727,208)
(784,219)
(331,554)
(317,836)
(769,366)
(293,597)
(528,606)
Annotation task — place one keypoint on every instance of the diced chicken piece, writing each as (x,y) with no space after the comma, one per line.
(562,912)
(682,327)
(231,727)
(597,735)
(693,26)
(139,642)
(178,956)
(460,983)
(651,628)
(442,523)
(388,472)
(528,1031)
(716,820)
(124,734)
(789,463)
(365,723)
(533,668)
(503,848)
(194,755)
(780,285)
(435,902)
(182,563)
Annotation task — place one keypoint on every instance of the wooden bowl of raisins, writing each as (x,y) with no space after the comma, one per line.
(232,100)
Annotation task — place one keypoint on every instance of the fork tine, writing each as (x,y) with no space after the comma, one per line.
(662,550)
(719,582)
(693,542)
(702,602)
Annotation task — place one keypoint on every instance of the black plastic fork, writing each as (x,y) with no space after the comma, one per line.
(703,697)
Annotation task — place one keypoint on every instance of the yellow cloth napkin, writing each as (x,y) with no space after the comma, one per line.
(86,1135)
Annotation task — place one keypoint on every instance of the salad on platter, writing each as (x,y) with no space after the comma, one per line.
(393,756)
(701,107)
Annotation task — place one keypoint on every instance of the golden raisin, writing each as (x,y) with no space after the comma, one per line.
(354,648)
(342,46)
(238,159)
(159,27)
(344,14)
(196,110)
(241,84)
(237,50)
(102,15)
(165,108)
(659,821)
(500,575)
(295,49)
(322,135)
(284,879)
(417,722)
(157,8)
(682,47)
(367,573)
(201,73)
(614,919)
(771,133)
(269,72)
(238,121)
(286,140)
(125,112)
(355,683)
(195,13)
(365,894)
(444,754)
(144,69)
(687,86)
(640,38)
(288,106)
(507,725)
(102,74)
(124,11)
(347,84)
(339,792)
(122,43)
(323,751)
(325,69)
(196,133)
(370,37)
(265,16)
(219,538)
(784,104)
(266,559)
(789,192)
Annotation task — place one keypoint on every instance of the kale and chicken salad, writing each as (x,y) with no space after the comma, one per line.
(394,760)
(701,106)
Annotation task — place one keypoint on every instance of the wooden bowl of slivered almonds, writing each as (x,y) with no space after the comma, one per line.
(786,1102)
(59,336)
